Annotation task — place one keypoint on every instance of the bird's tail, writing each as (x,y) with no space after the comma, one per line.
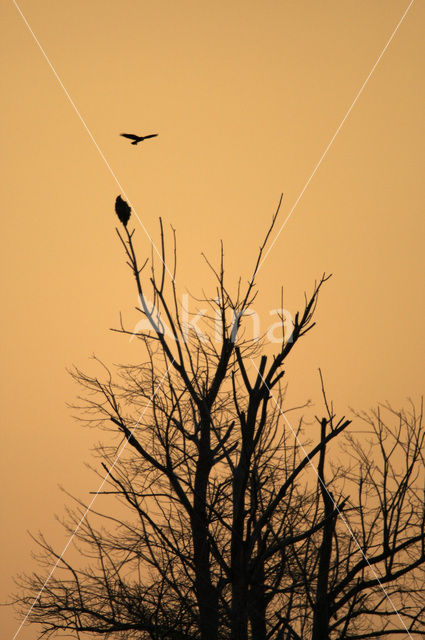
(135,142)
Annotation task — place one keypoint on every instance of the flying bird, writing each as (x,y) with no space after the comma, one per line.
(123,210)
(137,139)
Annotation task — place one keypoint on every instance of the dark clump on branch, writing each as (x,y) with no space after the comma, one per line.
(123,210)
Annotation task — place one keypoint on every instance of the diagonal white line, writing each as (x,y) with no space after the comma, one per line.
(322,157)
(90,133)
(83,517)
(334,503)
(153,244)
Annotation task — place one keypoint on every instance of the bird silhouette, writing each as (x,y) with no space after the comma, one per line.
(123,210)
(137,139)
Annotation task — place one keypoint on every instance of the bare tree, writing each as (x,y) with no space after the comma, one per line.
(218,529)
(363,576)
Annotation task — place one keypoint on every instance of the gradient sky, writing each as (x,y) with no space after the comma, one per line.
(245,96)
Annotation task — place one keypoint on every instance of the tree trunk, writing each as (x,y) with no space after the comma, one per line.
(321,609)
(258,605)
(239,619)
(206,592)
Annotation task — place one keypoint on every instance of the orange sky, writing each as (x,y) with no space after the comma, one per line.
(245,96)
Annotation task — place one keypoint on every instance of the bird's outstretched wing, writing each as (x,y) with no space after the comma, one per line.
(152,135)
(131,136)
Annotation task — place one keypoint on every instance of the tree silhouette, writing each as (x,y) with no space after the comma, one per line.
(221,528)
(364,575)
